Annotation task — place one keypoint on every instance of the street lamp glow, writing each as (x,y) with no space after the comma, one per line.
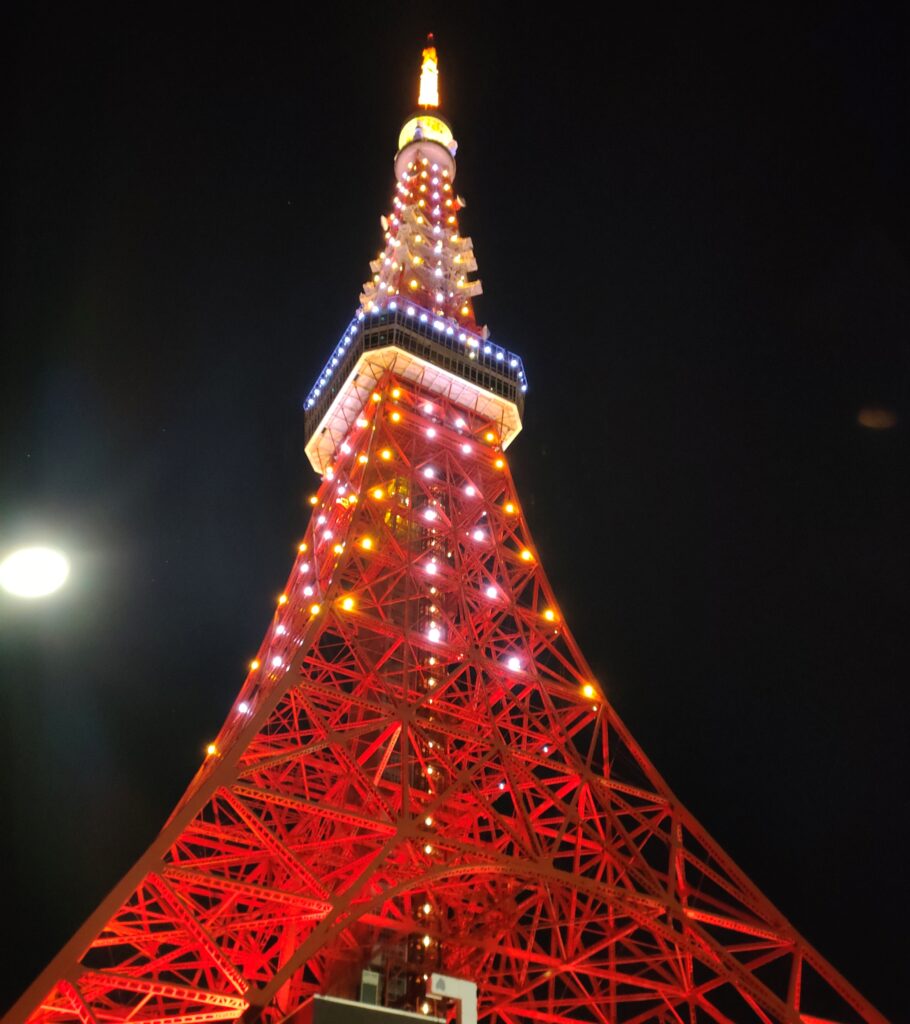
(34,572)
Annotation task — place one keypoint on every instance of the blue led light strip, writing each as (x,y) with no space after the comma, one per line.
(451,335)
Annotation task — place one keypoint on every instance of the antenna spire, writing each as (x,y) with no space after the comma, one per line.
(429,76)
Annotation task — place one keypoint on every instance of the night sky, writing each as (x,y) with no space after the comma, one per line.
(695,230)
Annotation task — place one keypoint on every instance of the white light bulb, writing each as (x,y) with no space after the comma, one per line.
(492,592)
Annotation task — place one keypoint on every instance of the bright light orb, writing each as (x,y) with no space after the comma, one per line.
(34,572)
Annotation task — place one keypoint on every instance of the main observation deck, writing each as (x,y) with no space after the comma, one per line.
(409,341)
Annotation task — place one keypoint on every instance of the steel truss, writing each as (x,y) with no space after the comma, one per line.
(420,772)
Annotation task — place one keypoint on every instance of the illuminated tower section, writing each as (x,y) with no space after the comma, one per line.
(425,259)
(416,315)
(420,773)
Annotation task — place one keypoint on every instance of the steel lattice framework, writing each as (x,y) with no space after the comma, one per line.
(420,771)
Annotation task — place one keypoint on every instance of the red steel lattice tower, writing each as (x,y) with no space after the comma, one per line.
(420,772)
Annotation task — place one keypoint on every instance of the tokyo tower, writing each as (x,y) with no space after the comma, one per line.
(420,776)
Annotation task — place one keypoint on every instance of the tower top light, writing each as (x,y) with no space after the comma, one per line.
(429,76)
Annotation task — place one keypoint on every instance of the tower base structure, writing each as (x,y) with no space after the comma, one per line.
(421,774)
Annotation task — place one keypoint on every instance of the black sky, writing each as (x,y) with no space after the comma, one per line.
(695,229)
